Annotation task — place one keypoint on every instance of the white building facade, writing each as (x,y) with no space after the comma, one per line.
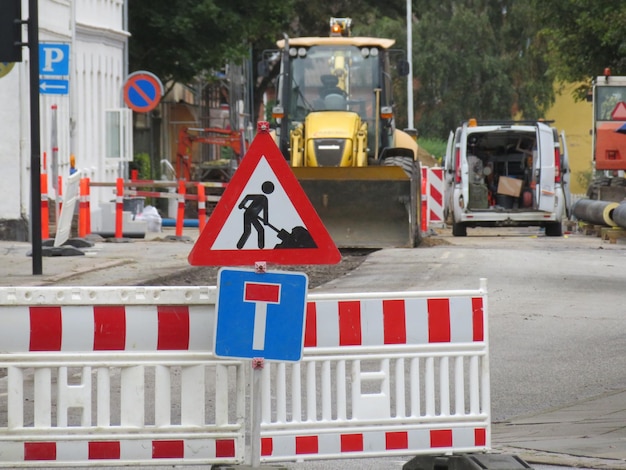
(82,110)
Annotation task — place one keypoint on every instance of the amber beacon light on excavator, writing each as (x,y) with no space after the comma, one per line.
(334,116)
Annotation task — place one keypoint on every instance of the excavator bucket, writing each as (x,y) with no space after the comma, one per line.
(365,207)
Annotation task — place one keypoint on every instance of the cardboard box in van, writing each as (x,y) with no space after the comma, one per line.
(509,186)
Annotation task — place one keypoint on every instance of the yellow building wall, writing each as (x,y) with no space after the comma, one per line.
(574,117)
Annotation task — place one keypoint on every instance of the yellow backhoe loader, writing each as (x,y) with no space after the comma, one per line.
(335,123)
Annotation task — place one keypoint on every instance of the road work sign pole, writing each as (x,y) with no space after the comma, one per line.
(255,447)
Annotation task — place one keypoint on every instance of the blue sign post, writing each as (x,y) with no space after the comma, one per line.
(260,315)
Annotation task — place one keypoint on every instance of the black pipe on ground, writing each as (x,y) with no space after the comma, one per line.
(619,215)
(595,212)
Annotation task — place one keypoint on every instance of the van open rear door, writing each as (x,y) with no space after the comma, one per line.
(546,192)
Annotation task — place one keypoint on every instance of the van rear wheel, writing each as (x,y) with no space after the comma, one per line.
(554,229)
(459,230)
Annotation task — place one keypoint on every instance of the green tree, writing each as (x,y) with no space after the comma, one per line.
(482,59)
(180,40)
(585,36)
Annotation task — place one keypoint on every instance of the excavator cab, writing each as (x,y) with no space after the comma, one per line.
(335,124)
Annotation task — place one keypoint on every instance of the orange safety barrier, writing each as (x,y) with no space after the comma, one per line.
(88,213)
(83,208)
(201,207)
(180,216)
(45,212)
(119,208)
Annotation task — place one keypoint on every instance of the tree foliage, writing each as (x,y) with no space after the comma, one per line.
(585,36)
(482,59)
(487,59)
(179,40)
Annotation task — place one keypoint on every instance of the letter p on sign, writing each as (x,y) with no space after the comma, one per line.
(54,59)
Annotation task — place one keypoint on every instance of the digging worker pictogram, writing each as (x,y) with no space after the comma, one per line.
(255,207)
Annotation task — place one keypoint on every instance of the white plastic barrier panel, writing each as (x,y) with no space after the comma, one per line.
(106,376)
(432,194)
(116,376)
(435,196)
(383,375)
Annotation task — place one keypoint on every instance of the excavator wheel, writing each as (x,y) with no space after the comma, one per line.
(406,163)
(411,169)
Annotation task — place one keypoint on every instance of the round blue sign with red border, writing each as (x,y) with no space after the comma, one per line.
(142,91)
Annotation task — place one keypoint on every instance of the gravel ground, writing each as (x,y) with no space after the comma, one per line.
(318,274)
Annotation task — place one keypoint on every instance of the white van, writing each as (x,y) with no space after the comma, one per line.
(506,173)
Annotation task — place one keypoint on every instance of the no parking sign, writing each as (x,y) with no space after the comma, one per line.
(142,91)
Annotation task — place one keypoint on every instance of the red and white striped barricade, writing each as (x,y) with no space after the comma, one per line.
(116,376)
(435,196)
(390,374)
(119,376)
(432,197)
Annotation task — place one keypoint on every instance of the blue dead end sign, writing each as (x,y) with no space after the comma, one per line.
(260,314)
(142,91)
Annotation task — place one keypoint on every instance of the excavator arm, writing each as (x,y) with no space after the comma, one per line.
(214,136)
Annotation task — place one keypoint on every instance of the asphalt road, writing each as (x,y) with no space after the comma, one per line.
(556,308)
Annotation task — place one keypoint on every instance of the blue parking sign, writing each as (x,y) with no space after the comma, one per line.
(54,59)
(260,314)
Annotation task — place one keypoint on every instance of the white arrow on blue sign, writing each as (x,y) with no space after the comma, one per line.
(54,87)
(260,315)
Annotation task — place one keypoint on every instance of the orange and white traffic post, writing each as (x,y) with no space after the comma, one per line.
(201,207)
(180,216)
(45,211)
(119,208)
(83,208)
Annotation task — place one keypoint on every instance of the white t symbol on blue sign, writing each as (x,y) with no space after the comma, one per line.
(260,315)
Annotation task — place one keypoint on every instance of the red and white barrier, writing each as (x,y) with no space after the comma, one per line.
(425,354)
(432,197)
(435,196)
(394,321)
(107,328)
(373,442)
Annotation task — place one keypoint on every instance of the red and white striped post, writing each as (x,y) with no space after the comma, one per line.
(119,208)
(180,216)
(424,208)
(201,207)
(45,211)
(88,203)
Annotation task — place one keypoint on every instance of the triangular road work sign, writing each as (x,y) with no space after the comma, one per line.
(264,215)
(619,112)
